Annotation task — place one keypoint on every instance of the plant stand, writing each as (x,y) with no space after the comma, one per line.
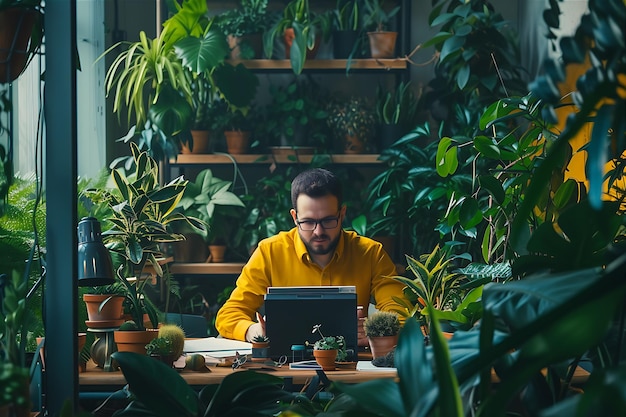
(103,347)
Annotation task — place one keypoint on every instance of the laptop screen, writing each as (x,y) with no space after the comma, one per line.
(291,313)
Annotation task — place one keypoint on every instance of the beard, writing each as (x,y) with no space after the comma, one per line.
(323,247)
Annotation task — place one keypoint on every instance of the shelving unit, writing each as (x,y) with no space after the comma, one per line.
(201,268)
(207,159)
(397,64)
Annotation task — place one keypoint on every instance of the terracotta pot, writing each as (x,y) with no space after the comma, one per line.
(110,315)
(260,351)
(134,340)
(217,253)
(246,46)
(237,141)
(380,346)
(16,26)
(353,145)
(310,53)
(201,142)
(382,44)
(192,249)
(325,358)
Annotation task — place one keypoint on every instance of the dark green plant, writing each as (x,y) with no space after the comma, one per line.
(478,63)
(309,26)
(347,15)
(402,199)
(381,323)
(378,16)
(159,346)
(397,106)
(249,17)
(296,114)
(260,338)
(159,390)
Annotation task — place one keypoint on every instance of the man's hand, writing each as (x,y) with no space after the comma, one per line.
(257,329)
(361,338)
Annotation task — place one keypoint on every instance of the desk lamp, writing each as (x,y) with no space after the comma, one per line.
(94,261)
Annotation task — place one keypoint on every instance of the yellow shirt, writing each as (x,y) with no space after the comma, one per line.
(283,261)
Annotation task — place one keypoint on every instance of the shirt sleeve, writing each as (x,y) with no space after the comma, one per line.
(239,311)
(384,288)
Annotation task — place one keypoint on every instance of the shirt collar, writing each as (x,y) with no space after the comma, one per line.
(304,254)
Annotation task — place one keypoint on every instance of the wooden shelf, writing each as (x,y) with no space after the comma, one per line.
(203,159)
(202,268)
(325,64)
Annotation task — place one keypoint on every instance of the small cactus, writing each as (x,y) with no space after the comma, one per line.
(129,325)
(381,323)
(175,335)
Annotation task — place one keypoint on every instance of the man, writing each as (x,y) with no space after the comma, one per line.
(317,251)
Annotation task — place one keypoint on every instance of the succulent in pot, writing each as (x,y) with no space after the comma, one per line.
(326,349)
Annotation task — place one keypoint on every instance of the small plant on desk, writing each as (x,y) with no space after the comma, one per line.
(260,348)
(327,349)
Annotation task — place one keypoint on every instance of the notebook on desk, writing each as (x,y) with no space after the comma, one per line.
(291,313)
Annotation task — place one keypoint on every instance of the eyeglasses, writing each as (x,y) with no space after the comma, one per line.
(310,225)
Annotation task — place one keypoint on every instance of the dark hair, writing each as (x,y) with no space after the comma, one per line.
(316,182)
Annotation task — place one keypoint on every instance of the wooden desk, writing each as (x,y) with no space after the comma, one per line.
(94,379)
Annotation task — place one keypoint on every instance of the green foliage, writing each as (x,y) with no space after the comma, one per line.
(397,106)
(308,26)
(297,113)
(159,346)
(173,80)
(405,198)
(353,117)
(378,15)
(381,323)
(247,18)
(159,390)
(141,216)
(326,342)
(175,335)
(347,15)
(260,338)
(600,98)
(210,200)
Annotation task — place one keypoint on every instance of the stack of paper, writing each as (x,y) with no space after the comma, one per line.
(217,349)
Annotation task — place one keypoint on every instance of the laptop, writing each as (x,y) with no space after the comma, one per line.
(291,313)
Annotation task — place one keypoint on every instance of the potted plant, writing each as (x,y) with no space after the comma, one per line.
(237,126)
(168,345)
(21,37)
(346,21)
(173,80)
(377,19)
(210,200)
(294,116)
(260,348)
(244,27)
(141,213)
(302,29)
(381,329)
(104,305)
(396,112)
(326,348)
(352,123)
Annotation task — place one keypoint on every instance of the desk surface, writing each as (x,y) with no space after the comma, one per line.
(94,377)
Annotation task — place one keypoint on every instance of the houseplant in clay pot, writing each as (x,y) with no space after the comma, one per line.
(326,348)
(302,30)
(243,27)
(260,348)
(377,18)
(139,220)
(104,305)
(381,329)
(352,123)
(205,199)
